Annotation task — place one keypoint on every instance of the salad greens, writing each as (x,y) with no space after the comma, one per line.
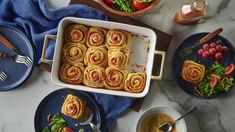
(57,123)
(224,82)
(124,5)
(128,5)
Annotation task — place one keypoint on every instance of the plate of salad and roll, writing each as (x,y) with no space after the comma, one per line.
(208,72)
(67,110)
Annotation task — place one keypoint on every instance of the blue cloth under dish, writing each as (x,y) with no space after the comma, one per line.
(34,19)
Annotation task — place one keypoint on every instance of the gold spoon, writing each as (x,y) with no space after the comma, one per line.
(167,126)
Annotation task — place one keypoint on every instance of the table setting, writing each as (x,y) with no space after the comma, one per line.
(52,79)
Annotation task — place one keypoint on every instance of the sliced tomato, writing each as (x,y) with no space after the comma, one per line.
(229,69)
(108,2)
(138,4)
(214,80)
(67,129)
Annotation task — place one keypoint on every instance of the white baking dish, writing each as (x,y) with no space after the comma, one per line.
(141,57)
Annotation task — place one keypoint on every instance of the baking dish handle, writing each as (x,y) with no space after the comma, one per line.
(163,54)
(45,45)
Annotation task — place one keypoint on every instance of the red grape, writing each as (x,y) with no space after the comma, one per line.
(206,47)
(213,45)
(219,48)
(205,54)
(225,49)
(218,56)
(200,51)
(212,51)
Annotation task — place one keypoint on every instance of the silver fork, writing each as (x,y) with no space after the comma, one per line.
(3,75)
(188,50)
(88,117)
(17,58)
(23,58)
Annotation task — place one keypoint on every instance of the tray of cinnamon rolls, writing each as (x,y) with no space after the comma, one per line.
(104,57)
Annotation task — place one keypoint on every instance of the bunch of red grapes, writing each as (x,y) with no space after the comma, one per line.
(213,50)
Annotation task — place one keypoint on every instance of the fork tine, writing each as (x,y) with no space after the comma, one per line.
(185,52)
(29,61)
(3,76)
(22,59)
(3,73)
(26,60)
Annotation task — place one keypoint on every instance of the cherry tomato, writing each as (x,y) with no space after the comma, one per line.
(213,45)
(67,129)
(229,69)
(219,48)
(225,49)
(138,4)
(218,56)
(206,47)
(214,80)
(200,51)
(108,2)
(205,54)
(212,51)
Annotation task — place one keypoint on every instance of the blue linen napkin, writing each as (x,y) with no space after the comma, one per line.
(36,20)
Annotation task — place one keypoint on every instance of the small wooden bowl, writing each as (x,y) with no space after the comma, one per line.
(123,13)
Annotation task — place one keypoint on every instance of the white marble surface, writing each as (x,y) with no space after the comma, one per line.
(17,107)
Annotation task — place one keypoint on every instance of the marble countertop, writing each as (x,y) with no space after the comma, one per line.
(17,107)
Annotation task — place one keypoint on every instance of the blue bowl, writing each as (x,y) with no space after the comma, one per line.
(177,62)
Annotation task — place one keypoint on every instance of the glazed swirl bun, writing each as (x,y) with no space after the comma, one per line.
(192,71)
(73,52)
(118,39)
(76,33)
(96,56)
(94,76)
(96,37)
(115,78)
(73,106)
(118,59)
(72,73)
(135,82)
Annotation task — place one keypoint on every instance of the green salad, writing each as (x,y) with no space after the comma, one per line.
(128,5)
(58,124)
(216,80)
(124,5)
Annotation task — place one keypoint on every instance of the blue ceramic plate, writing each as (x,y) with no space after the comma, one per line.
(177,62)
(17,73)
(53,102)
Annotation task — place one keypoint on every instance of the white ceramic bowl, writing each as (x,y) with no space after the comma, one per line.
(180,125)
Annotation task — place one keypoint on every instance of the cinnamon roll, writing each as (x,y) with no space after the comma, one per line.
(73,106)
(96,56)
(192,71)
(72,73)
(135,82)
(94,76)
(118,59)
(115,78)
(73,52)
(76,33)
(96,37)
(118,39)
